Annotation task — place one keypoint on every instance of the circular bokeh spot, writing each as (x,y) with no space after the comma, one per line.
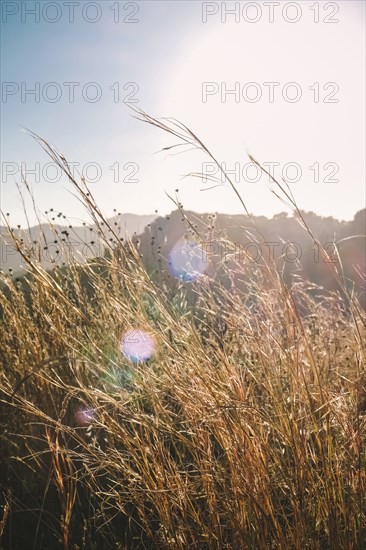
(187,260)
(137,345)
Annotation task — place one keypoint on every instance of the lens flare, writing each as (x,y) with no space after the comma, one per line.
(84,416)
(138,345)
(187,260)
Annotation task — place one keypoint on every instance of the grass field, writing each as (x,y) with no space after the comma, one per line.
(237,421)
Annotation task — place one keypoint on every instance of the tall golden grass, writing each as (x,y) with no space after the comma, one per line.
(246,430)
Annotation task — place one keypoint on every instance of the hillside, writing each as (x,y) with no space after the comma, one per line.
(58,243)
(222,239)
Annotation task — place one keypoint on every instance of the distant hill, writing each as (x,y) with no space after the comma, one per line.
(62,242)
(290,244)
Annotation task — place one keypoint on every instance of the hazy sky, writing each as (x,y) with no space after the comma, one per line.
(296,72)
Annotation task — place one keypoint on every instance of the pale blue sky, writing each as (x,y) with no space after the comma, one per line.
(168,54)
